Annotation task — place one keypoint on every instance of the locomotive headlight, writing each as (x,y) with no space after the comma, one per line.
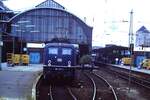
(49,62)
(69,63)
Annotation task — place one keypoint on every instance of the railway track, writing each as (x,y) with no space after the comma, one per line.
(109,86)
(61,93)
(92,87)
(52,91)
(84,91)
(124,90)
(129,76)
(135,77)
(101,88)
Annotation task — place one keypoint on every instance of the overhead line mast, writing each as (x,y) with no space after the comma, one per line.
(131,45)
(131,39)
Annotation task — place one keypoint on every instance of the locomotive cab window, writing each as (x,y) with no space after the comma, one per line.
(53,50)
(66,51)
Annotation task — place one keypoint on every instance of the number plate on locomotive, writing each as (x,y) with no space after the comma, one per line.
(59,60)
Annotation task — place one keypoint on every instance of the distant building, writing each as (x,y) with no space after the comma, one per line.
(142,37)
(142,44)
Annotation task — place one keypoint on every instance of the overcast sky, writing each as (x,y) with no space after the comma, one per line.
(105,16)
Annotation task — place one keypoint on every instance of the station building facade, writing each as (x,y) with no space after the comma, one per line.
(47,22)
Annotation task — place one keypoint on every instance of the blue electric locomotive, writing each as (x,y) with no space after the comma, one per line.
(59,59)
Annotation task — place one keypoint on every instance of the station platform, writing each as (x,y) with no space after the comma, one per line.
(136,69)
(19,82)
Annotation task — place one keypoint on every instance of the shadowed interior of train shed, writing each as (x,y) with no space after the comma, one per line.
(111,52)
(48,22)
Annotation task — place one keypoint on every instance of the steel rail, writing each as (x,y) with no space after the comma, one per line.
(72,95)
(110,86)
(94,86)
(50,93)
(69,91)
(136,80)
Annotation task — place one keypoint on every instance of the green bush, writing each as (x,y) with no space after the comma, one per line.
(85,59)
(1,98)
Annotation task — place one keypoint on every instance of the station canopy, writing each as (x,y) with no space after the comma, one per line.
(49,22)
